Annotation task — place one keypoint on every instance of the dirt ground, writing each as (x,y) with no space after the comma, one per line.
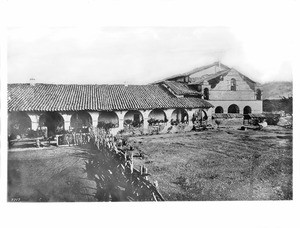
(48,175)
(224,164)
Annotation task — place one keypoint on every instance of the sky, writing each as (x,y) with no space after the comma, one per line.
(140,55)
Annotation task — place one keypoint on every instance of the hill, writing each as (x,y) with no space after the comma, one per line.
(276,90)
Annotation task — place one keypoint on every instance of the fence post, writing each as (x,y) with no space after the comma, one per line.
(154,197)
(141,170)
(131,167)
(68,139)
(254,163)
(74,140)
(131,163)
(38,143)
(146,172)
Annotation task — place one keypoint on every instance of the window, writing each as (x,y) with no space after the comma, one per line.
(199,88)
(233,85)
(219,109)
(233,109)
(247,109)
(258,94)
(206,94)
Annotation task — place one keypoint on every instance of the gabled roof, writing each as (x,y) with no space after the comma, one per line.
(208,77)
(198,69)
(180,88)
(250,82)
(74,97)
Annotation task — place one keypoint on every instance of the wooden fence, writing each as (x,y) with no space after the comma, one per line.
(123,181)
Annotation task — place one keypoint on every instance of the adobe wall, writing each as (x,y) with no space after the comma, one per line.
(256,105)
(33,117)
(222,91)
(232,95)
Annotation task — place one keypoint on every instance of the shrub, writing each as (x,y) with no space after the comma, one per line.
(128,122)
(60,131)
(218,122)
(152,121)
(137,123)
(121,132)
(34,134)
(194,119)
(174,122)
(105,125)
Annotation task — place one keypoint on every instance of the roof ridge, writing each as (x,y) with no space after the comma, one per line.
(210,76)
(195,70)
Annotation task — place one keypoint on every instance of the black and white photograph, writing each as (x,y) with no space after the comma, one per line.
(172,112)
(145,114)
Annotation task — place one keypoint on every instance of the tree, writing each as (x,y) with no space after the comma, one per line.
(287,104)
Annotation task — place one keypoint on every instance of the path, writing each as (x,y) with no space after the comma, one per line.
(49,174)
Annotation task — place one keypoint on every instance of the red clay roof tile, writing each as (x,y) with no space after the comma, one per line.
(59,97)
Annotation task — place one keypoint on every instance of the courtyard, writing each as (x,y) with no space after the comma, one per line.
(216,164)
(225,164)
(53,174)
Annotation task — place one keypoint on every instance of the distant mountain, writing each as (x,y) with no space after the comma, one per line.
(276,90)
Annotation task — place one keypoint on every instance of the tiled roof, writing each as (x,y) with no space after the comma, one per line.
(59,97)
(181,88)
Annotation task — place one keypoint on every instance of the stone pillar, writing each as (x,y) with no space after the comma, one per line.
(120,115)
(34,121)
(169,116)
(67,120)
(190,115)
(209,115)
(145,114)
(95,116)
(225,108)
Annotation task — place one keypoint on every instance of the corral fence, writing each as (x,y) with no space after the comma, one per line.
(67,138)
(111,167)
